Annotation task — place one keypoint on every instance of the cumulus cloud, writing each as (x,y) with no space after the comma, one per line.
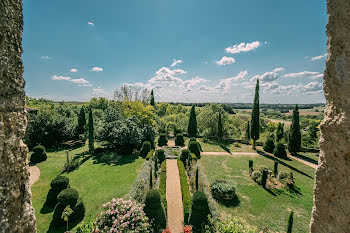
(268,76)
(80,81)
(96,69)
(313,86)
(204,88)
(319,57)
(46,57)
(193,82)
(99,92)
(300,74)
(242,47)
(73,70)
(317,76)
(175,62)
(55,77)
(225,61)
(225,84)
(91,24)
(165,74)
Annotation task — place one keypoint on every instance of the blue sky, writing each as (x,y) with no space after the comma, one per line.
(186,50)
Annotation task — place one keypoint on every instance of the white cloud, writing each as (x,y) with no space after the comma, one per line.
(80,81)
(165,74)
(313,86)
(300,74)
(319,57)
(225,61)
(99,92)
(242,47)
(225,84)
(317,76)
(96,69)
(91,24)
(278,69)
(73,70)
(175,62)
(193,82)
(55,77)
(46,57)
(268,76)
(204,88)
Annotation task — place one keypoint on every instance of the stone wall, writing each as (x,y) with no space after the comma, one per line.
(16,212)
(331,212)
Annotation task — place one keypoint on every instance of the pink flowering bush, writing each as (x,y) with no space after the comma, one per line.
(122,216)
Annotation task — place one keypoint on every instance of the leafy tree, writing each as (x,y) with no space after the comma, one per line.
(152,98)
(247,131)
(220,128)
(192,124)
(137,109)
(279,132)
(294,138)
(81,121)
(290,222)
(255,119)
(131,93)
(91,132)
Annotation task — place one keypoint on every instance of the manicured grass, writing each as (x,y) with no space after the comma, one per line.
(185,190)
(97,183)
(215,146)
(256,205)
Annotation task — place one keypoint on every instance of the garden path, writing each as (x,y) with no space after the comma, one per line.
(34,174)
(174,197)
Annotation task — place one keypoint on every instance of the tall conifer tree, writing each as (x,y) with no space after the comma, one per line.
(279,132)
(91,132)
(81,121)
(220,127)
(255,119)
(152,98)
(192,124)
(294,138)
(247,131)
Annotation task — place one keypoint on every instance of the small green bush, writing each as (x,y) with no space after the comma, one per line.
(179,140)
(194,148)
(263,168)
(185,154)
(39,154)
(223,190)
(59,183)
(280,151)
(160,155)
(154,210)
(68,196)
(145,149)
(150,155)
(107,157)
(256,176)
(269,145)
(199,210)
(282,175)
(162,140)
(72,165)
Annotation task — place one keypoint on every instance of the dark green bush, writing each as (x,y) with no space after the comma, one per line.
(194,148)
(269,145)
(282,175)
(280,151)
(179,139)
(185,190)
(256,176)
(185,154)
(77,215)
(146,147)
(162,140)
(68,196)
(250,166)
(150,155)
(223,190)
(199,211)
(57,215)
(60,183)
(78,211)
(154,210)
(192,139)
(39,154)
(264,178)
(263,168)
(160,155)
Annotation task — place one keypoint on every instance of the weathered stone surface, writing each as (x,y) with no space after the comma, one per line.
(16,211)
(331,212)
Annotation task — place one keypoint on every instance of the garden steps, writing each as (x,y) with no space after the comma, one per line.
(174,197)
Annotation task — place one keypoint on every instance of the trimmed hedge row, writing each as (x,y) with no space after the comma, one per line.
(185,190)
(154,210)
(162,185)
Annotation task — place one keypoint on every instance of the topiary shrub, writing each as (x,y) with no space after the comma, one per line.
(179,140)
(185,154)
(68,196)
(223,190)
(160,155)
(150,155)
(39,154)
(264,178)
(280,151)
(193,139)
(263,168)
(269,145)
(199,210)
(154,210)
(162,140)
(194,148)
(57,185)
(78,211)
(146,147)
(256,176)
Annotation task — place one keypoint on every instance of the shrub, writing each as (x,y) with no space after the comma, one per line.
(179,140)
(154,210)
(39,154)
(233,225)
(68,196)
(194,148)
(280,151)
(269,145)
(199,210)
(264,178)
(195,140)
(185,154)
(282,175)
(162,184)
(263,168)
(185,190)
(223,190)
(78,211)
(122,216)
(85,227)
(256,176)
(162,140)
(107,157)
(71,165)
(145,149)
(60,183)
(150,155)
(160,155)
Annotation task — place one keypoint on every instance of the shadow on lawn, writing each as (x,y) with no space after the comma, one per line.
(232,203)
(282,162)
(303,157)
(222,144)
(62,229)
(124,159)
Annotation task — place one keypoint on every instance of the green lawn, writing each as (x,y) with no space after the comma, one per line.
(257,206)
(97,183)
(214,146)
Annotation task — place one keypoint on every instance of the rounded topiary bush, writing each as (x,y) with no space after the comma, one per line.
(269,145)
(256,176)
(78,211)
(185,154)
(263,168)
(68,196)
(60,183)
(39,154)
(154,210)
(280,151)
(223,190)
(160,155)
(179,139)
(199,210)
(146,147)
(162,140)
(193,146)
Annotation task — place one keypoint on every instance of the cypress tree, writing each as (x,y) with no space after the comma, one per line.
(247,131)
(294,137)
(192,124)
(155,166)
(197,177)
(279,132)
(150,179)
(220,127)
(81,121)
(152,98)
(290,222)
(91,132)
(255,119)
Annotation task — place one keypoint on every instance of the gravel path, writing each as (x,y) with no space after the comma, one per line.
(34,172)
(174,197)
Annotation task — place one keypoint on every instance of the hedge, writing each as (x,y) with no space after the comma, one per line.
(162,140)
(185,190)
(162,184)
(150,155)
(146,147)
(154,210)
(160,155)
(193,146)
(179,140)
(199,211)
